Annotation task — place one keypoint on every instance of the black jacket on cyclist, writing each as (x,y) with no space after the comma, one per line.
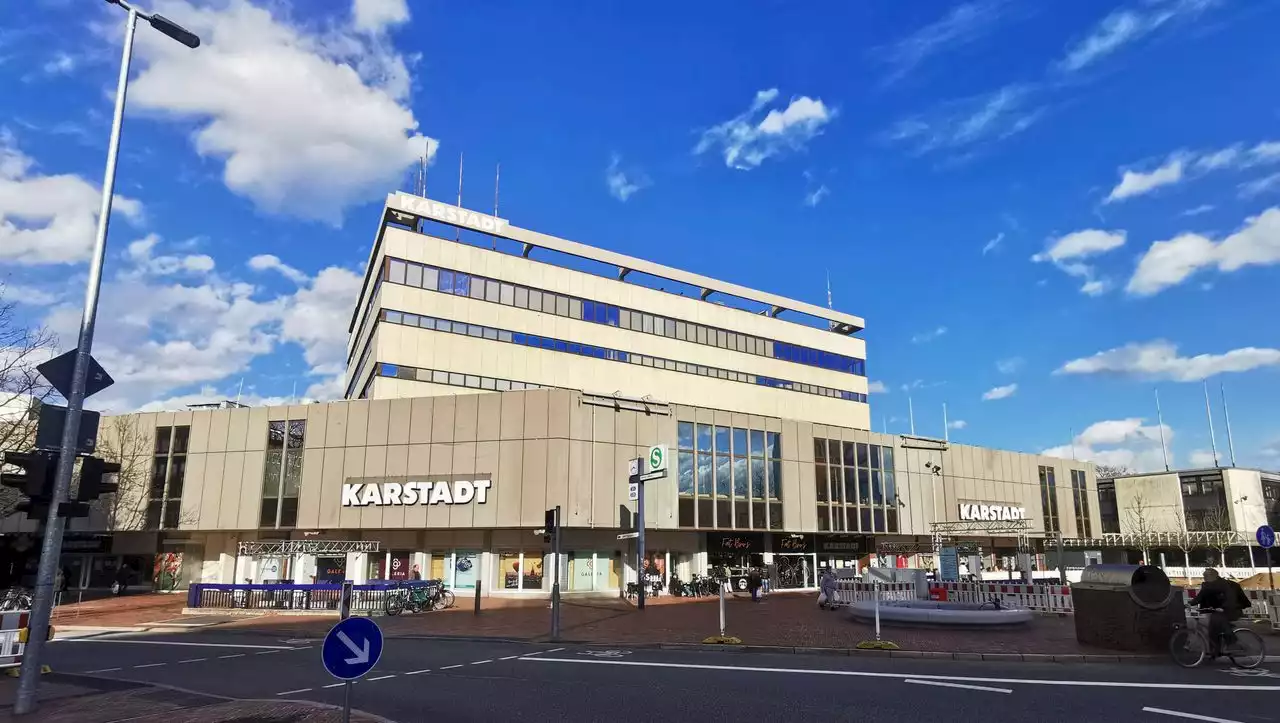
(1224,594)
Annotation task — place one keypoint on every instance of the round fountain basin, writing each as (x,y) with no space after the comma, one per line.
(934,612)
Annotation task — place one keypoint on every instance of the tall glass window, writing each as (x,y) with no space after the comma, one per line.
(729,478)
(1049,499)
(856,487)
(168,473)
(1080,495)
(282,473)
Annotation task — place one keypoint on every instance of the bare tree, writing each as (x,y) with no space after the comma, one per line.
(1111,471)
(1142,529)
(124,442)
(1218,531)
(1186,541)
(21,386)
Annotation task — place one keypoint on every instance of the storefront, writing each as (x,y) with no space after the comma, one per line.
(842,552)
(795,566)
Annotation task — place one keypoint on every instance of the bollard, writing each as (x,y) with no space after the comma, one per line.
(722,610)
(479,581)
(877,594)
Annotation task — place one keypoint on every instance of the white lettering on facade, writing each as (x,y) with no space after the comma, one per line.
(453,214)
(991,512)
(378,494)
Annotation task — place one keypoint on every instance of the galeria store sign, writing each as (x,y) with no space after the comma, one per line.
(441,492)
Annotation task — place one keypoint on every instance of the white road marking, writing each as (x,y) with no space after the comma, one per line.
(451,667)
(150,665)
(381,677)
(509,657)
(333,685)
(482,662)
(555,650)
(116,641)
(1190,716)
(295,692)
(957,685)
(901,676)
(416,672)
(235,655)
(529,655)
(102,670)
(266,652)
(192,660)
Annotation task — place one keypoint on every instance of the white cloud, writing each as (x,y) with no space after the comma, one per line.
(25,295)
(1160,360)
(624,184)
(964,24)
(877,387)
(284,104)
(1003,392)
(747,140)
(60,64)
(1198,210)
(1202,458)
(968,121)
(928,335)
(270,262)
(1169,263)
(1068,253)
(1125,26)
(49,219)
(1123,442)
(166,326)
(1137,183)
(1259,186)
(1010,365)
(993,243)
(1183,165)
(957,424)
(814,197)
(377,15)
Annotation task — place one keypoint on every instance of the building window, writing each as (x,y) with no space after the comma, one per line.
(461,284)
(1271,498)
(1204,501)
(519,571)
(168,473)
(728,478)
(1080,493)
(1108,508)
(282,473)
(856,487)
(1049,499)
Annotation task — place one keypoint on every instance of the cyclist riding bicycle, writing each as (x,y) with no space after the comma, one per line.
(1225,601)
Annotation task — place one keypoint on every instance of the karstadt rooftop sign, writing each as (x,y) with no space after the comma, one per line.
(414,492)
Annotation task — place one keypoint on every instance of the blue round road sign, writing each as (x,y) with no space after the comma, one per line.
(351,648)
(1266,536)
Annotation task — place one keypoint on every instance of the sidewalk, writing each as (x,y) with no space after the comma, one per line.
(127,610)
(784,620)
(77,699)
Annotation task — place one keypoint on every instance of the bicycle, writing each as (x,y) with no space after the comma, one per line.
(1189,645)
(402,597)
(16,598)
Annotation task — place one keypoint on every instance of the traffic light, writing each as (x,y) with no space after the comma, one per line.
(35,482)
(551,524)
(36,479)
(92,470)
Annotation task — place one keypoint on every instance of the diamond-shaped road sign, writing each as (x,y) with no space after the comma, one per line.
(59,370)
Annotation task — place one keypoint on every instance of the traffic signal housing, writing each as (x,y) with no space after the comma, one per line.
(92,470)
(35,481)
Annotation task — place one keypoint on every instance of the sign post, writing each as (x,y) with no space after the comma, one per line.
(350,651)
(652,466)
(552,529)
(1267,540)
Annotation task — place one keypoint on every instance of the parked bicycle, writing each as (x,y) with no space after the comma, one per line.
(417,598)
(16,598)
(1190,645)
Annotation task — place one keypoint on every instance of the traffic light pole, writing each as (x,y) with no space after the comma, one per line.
(51,545)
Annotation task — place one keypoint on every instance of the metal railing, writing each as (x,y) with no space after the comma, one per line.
(368,598)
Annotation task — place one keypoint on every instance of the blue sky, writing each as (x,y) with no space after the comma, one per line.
(1043,212)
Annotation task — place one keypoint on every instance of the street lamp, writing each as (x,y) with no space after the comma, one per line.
(51,545)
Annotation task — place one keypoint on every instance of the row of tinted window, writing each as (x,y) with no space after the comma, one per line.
(454,379)
(573,347)
(500,292)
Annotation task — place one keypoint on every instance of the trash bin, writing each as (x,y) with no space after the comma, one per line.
(1126,607)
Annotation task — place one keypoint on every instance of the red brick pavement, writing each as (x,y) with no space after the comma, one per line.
(781,620)
(125,611)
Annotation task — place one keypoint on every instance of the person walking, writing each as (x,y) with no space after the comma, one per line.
(827,598)
(753,584)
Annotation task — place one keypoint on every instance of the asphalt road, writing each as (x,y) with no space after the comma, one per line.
(483,681)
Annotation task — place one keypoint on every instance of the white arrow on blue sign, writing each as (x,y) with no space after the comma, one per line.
(351,648)
(1266,536)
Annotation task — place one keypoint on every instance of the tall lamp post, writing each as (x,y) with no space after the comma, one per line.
(51,545)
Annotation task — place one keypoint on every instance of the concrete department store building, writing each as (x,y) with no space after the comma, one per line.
(493,378)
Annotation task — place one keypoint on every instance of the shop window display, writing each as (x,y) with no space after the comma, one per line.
(519,571)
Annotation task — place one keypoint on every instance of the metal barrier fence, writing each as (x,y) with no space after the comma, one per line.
(11,646)
(367,598)
(851,591)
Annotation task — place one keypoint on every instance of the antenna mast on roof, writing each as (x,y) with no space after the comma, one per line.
(457,235)
(1208,411)
(497,175)
(1231,447)
(1164,449)
(831,306)
(946,427)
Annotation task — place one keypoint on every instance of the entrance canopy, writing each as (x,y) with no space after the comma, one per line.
(280,548)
